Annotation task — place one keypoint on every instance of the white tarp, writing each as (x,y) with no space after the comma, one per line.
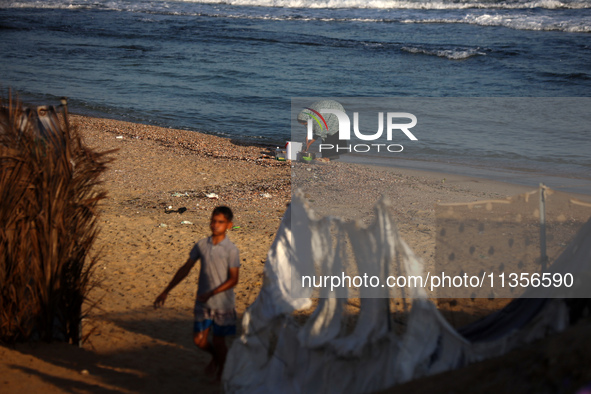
(276,354)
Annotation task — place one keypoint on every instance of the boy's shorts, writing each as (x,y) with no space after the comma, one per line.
(223,322)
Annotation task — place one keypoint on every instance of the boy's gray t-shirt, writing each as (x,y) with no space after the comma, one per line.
(215,262)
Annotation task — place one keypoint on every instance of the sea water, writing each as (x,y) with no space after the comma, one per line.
(232,68)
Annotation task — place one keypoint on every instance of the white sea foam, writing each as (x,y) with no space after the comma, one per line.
(509,13)
(452,54)
(518,22)
(525,22)
(513,21)
(404,4)
(308,4)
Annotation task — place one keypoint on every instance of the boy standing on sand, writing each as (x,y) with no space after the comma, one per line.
(214,306)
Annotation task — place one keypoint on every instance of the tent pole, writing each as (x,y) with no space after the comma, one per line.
(543,256)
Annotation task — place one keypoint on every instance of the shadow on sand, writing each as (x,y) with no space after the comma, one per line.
(125,352)
(143,351)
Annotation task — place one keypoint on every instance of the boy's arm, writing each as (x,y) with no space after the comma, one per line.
(228,284)
(178,277)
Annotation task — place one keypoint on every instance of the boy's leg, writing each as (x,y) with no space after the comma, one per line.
(201,328)
(224,324)
(221,351)
(200,339)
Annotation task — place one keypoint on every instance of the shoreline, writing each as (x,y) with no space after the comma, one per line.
(579,186)
(199,145)
(515,176)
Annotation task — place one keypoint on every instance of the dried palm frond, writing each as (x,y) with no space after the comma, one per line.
(48,222)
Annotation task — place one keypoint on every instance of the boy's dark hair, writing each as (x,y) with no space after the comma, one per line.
(226,211)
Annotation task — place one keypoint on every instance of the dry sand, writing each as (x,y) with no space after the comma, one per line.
(133,348)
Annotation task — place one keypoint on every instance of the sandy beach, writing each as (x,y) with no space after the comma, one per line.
(160,187)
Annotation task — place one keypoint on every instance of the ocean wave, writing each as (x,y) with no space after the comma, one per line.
(545,20)
(526,22)
(513,21)
(122,5)
(517,22)
(44,4)
(403,4)
(452,54)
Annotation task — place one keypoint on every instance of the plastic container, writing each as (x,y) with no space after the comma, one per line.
(280,154)
(293,148)
(306,157)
